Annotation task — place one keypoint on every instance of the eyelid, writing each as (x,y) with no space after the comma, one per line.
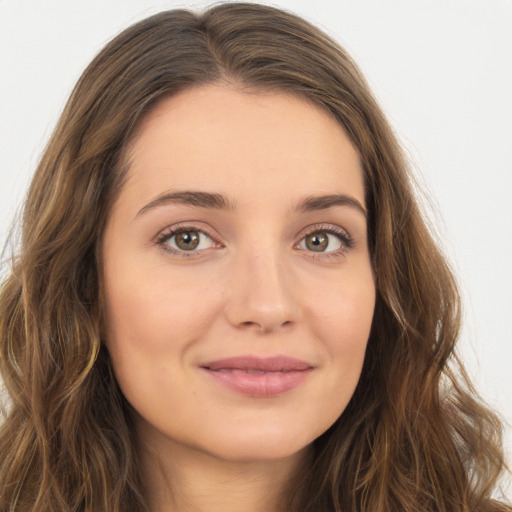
(347,242)
(168,232)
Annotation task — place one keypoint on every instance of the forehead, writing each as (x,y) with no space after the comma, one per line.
(246,145)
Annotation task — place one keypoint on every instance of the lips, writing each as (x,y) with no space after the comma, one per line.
(259,377)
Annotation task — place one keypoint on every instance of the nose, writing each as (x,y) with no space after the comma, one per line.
(262,295)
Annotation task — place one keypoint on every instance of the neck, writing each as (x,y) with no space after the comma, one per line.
(184,479)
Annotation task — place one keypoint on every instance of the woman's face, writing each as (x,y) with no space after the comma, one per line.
(238,284)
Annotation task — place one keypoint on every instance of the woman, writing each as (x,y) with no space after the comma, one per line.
(226,292)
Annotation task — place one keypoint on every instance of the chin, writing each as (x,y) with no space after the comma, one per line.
(259,452)
(258,444)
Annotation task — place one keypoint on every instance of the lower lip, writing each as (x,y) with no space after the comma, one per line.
(262,385)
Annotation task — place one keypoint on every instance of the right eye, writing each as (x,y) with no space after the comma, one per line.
(184,240)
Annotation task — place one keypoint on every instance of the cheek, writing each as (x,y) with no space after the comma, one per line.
(342,310)
(153,317)
(152,306)
(342,320)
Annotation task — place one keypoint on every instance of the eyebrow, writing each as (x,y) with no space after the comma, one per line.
(190,198)
(215,201)
(315,203)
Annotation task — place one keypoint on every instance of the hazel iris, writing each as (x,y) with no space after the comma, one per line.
(317,242)
(187,240)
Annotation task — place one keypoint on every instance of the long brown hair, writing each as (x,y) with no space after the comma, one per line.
(414,437)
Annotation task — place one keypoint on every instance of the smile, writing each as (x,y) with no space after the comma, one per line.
(259,377)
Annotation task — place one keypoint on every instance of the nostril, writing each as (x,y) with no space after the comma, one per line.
(252,325)
(249,324)
(265,327)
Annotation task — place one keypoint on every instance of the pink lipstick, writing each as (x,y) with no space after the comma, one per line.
(259,377)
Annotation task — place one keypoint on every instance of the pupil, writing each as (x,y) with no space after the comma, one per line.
(187,240)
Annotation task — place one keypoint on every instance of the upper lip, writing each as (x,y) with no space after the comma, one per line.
(258,364)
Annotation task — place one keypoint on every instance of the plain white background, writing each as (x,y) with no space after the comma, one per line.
(442,69)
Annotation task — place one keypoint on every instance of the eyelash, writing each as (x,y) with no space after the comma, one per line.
(347,242)
(163,237)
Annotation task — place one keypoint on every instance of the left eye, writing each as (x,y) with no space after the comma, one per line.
(321,241)
(188,240)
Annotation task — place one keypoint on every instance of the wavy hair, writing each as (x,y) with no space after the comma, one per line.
(415,437)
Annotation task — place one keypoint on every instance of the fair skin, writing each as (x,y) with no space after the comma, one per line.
(239,292)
